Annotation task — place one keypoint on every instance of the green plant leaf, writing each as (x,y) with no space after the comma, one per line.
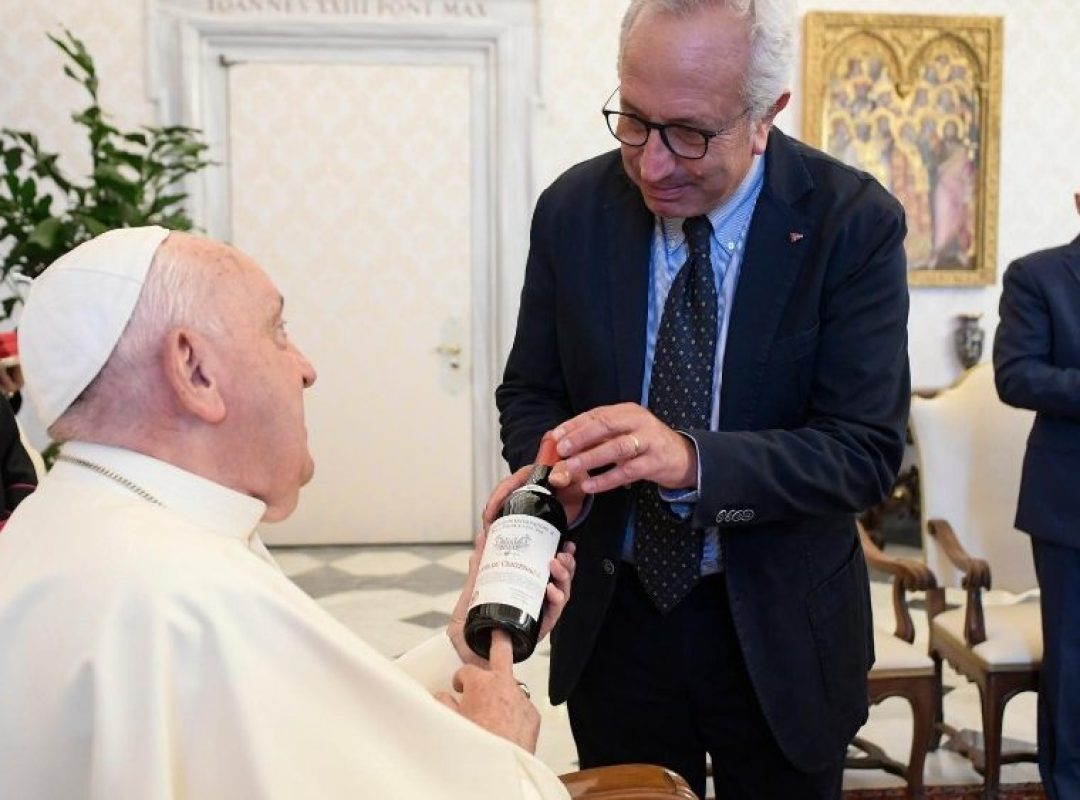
(95,227)
(109,174)
(45,233)
(12,159)
(176,222)
(28,192)
(133,160)
(27,138)
(11,180)
(164,201)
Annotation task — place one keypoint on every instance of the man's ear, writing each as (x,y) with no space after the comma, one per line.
(762,128)
(192,371)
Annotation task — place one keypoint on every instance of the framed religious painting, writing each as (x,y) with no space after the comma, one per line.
(916,102)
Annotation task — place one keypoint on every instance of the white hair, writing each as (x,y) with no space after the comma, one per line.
(176,294)
(772,42)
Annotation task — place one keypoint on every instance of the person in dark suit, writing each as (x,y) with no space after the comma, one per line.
(1037,366)
(713,322)
(18,478)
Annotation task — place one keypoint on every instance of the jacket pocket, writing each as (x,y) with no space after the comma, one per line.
(840,625)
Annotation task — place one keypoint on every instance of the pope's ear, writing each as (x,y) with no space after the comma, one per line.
(192,370)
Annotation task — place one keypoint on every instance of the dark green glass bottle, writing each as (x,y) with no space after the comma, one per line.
(513,573)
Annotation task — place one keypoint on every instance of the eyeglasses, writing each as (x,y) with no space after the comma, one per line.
(682,140)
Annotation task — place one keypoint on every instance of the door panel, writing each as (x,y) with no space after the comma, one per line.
(351,186)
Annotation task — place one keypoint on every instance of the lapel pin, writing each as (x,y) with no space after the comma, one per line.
(795,236)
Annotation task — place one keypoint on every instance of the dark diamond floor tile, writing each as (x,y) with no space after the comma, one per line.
(429,619)
(329,580)
(430,580)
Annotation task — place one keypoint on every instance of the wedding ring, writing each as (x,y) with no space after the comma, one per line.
(636,443)
(525,689)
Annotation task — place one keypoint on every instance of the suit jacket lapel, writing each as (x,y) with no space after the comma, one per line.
(771,262)
(1072,258)
(628,227)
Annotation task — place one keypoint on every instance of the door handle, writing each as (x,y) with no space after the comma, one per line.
(453,354)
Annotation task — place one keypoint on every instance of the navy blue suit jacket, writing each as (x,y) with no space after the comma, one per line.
(813,412)
(1037,366)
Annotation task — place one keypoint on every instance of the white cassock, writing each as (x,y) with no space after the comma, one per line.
(154,652)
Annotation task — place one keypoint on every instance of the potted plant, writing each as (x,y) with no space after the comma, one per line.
(134,180)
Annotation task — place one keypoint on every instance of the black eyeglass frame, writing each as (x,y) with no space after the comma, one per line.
(662,128)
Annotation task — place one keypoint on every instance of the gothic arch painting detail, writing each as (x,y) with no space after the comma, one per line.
(915,101)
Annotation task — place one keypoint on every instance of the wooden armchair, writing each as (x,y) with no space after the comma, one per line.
(627,782)
(901,670)
(970,448)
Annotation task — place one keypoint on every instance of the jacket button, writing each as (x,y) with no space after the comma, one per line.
(609,567)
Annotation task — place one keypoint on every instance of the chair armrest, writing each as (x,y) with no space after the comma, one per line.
(627,782)
(908,576)
(976,578)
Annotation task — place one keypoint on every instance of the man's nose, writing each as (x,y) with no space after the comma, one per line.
(307,369)
(656,160)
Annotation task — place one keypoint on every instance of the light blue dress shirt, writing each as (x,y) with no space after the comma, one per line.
(730,222)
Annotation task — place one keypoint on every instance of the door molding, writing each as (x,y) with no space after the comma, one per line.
(192,43)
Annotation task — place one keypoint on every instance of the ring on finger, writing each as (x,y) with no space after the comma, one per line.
(636,443)
(525,689)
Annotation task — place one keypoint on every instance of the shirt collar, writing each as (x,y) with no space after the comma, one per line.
(722,215)
(199,500)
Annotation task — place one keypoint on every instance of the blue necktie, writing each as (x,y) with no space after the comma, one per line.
(667,551)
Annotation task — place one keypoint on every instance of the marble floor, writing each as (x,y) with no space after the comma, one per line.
(394,597)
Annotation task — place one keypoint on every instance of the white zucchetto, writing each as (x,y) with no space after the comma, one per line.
(76,312)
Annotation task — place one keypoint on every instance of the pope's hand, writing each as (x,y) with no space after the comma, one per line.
(492,698)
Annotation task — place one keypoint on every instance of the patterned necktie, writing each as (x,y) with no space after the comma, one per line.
(667,552)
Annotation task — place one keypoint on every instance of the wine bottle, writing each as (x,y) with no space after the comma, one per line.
(513,573)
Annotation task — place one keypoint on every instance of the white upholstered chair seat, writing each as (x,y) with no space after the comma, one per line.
(894,655)
(1013,635)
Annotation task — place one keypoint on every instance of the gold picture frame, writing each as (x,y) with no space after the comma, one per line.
(916,101)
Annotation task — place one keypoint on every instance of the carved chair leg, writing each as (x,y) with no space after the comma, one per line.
(939,713)
(922,700)
(993,698)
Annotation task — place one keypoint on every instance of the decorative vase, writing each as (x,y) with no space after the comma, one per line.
(968,339)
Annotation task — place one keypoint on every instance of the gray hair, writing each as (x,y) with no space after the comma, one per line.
(772,42)
(176,294)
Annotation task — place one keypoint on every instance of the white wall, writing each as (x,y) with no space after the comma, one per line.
(34,93)
(1040,148)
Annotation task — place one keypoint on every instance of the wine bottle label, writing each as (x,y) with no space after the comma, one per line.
(514,567)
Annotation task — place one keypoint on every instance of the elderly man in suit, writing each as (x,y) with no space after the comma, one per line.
(1037,366)
(713,320)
